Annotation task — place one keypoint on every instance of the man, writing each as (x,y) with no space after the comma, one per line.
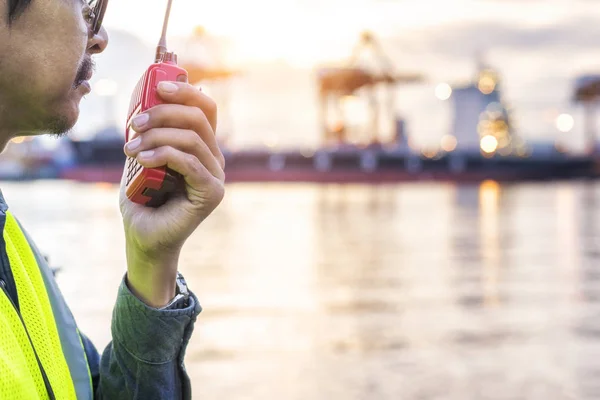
(46,49)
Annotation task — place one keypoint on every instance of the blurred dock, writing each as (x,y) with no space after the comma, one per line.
(363,166)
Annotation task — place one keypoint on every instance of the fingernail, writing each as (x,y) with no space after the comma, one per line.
(167,87)
(134,144)
(146,154)
(140,121)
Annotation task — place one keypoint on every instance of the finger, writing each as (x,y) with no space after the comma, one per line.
(189,166)
(184,140)
(187,95)
(179,117)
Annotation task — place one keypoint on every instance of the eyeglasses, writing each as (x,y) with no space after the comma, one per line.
(98,10)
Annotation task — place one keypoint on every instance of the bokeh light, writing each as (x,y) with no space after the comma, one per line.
(448,143)
(565,123)
(489,144)
(487,84)
(443,91)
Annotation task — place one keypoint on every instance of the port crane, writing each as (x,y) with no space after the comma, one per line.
(335,84)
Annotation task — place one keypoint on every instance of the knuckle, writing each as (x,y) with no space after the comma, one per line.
(197,145)
(221,176)
(221,159)
(192,163)
(149,135)
(162,153)
(181,135)
(199,117)
(219,191)
(210,106)
(152,138)
(165,115)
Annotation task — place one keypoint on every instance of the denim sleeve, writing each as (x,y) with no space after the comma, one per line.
(145,359)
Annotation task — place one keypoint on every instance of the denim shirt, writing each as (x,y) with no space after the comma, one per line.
(145,359)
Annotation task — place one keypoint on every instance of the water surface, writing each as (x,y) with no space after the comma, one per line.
(421,291)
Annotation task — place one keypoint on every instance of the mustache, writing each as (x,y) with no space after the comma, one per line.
(85,71)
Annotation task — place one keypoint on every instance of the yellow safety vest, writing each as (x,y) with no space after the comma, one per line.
(41,353)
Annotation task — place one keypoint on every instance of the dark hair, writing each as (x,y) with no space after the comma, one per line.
(16,7)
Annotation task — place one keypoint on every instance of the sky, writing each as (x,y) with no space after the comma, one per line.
(538,47)
(302,30)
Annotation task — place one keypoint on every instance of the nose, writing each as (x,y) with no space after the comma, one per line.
(97,43)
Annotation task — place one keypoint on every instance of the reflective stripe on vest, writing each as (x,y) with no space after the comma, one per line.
(70,337)
(20,376)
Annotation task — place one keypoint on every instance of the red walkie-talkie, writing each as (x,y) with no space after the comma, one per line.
(152,186)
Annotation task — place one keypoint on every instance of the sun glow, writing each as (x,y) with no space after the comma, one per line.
(271,30)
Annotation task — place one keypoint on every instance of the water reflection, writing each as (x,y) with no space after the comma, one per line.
(424,291)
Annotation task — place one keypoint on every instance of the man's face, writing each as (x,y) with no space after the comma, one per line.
(45,63)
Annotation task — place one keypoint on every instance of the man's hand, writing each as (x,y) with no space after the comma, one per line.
(181,135)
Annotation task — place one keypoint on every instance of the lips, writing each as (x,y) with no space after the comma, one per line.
(85,73)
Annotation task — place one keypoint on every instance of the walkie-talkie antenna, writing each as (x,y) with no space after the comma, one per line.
(162,43)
